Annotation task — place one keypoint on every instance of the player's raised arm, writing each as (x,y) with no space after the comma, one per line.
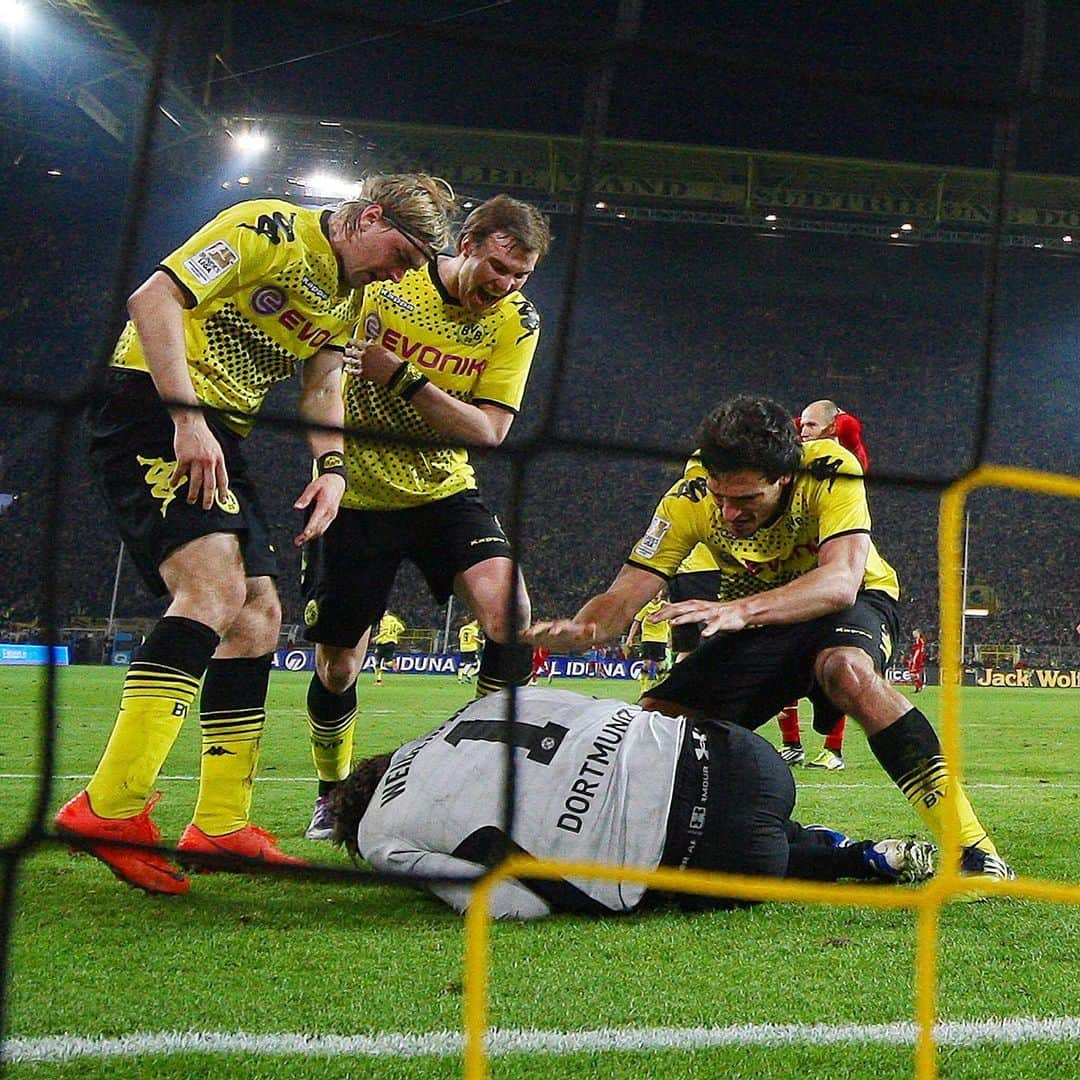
(156,308)
(602,618)
(321,403)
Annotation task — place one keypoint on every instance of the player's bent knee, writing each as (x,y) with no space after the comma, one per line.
(845,675)
(337,668)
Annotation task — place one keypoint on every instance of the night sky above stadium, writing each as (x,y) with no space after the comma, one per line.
(723,77)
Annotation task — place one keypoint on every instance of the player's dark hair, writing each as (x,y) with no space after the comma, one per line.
(518,219)
(349,800)
(750,433)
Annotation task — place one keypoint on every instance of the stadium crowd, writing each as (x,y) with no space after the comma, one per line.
(891,334)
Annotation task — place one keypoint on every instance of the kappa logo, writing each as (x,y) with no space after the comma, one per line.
(529,316)
(314,287)
(272,226)
(218,751)
(825,468)
(158,478)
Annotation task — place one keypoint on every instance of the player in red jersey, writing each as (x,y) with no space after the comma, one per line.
(916,660)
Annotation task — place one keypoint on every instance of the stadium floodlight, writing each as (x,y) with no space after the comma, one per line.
(243,179)
(252,142)
(601,205)
(894,236)
(326,186)
(14,13)
(1067,238)
(770,217)
(906,227)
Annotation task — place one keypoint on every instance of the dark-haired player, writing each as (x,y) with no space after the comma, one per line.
(809,608)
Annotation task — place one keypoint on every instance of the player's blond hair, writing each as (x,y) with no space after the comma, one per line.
(422,206)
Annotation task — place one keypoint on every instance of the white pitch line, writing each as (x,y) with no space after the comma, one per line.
(54,1048)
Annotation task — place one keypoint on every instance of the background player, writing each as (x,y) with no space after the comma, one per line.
(442,356)
(541,665)
(388,633)
(470,638)
(816,607)
(654,790)
(216,325)
(916,660)
(655,637)
(823,420)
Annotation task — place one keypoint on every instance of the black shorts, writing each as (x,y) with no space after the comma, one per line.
(730,809)
(132,456)
(749,676)
(699,585)
(348,571)
(654,650)
(384,652)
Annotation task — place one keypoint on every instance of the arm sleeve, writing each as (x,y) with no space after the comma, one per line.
(503,380)
(841,498)
(509,899)
(222,257)
(671,535)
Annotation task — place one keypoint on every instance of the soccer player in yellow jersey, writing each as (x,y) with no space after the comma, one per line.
(442,357)
(261,291)
(655,636)
(388,633)
(469,638)
(809,603)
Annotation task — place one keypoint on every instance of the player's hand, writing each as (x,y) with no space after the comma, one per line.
(366,360)
(323,495)
(562,635)
(715,616)
(200,460)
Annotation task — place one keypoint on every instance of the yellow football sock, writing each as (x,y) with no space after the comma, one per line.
(232,715)
(154,702)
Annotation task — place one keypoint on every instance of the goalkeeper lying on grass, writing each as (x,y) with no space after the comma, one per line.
(598,781)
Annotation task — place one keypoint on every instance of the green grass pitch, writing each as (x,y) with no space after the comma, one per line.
(273,957)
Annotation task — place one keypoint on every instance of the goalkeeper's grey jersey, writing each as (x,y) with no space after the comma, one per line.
(594,783)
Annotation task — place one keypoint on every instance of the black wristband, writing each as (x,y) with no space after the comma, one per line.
(333,461)
(406,381)
(406,393)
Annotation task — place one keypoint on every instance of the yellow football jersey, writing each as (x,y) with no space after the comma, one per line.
(482,359)
(265,293)
(388,631)
(653,631)
(700,558)
(827,498)
(469,637)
